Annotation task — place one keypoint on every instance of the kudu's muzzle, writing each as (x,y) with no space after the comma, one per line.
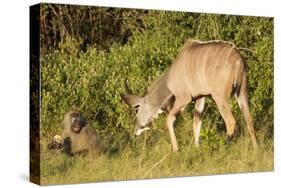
(139,130)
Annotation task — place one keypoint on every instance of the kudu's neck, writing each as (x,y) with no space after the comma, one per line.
(158,92)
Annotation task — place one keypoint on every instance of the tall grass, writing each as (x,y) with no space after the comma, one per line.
(157,160)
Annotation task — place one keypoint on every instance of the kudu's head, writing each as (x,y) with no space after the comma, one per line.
(145,110)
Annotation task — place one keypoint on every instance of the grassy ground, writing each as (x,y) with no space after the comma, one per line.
(156,160)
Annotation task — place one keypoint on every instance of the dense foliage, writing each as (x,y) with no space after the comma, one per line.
(79,74)
(93,26)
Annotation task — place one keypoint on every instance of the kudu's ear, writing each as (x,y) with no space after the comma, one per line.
(131,100)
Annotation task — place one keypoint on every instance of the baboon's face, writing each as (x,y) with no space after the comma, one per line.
(77,122)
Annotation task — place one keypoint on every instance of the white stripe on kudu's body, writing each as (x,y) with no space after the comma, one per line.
(236,72)
(229,54)
(198,58)
(212,68)
(203,64)
(219,57)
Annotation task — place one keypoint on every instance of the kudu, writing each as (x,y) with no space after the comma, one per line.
(213,68)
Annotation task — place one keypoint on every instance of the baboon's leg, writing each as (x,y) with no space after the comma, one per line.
(242,98)
(225,111)
(180,103)
(198,111)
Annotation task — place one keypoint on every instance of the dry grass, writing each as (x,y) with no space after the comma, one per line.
(158,161)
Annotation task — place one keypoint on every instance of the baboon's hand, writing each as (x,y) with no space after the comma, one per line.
(66,146)
(56,143)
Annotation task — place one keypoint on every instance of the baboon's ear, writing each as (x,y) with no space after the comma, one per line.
(131,100)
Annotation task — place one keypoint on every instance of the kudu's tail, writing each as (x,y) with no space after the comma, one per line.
(243,101)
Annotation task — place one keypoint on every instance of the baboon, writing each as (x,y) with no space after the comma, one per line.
(78,137)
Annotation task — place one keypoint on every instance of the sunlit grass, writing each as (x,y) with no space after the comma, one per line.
(156,160)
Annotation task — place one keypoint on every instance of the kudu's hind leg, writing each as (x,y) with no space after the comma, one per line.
(242,98)
(225,111)
(180,103)
(198,111)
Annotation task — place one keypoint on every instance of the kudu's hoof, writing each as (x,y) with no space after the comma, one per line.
(229,139)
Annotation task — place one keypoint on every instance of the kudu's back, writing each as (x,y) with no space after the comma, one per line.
(204,68)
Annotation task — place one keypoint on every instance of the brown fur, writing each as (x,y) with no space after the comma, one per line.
(84,142)
(213,68)
(209,68)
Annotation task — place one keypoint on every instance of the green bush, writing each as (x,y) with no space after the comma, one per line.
(92,81)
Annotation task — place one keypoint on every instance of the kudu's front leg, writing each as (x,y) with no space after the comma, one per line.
(179,105)
(170,125)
